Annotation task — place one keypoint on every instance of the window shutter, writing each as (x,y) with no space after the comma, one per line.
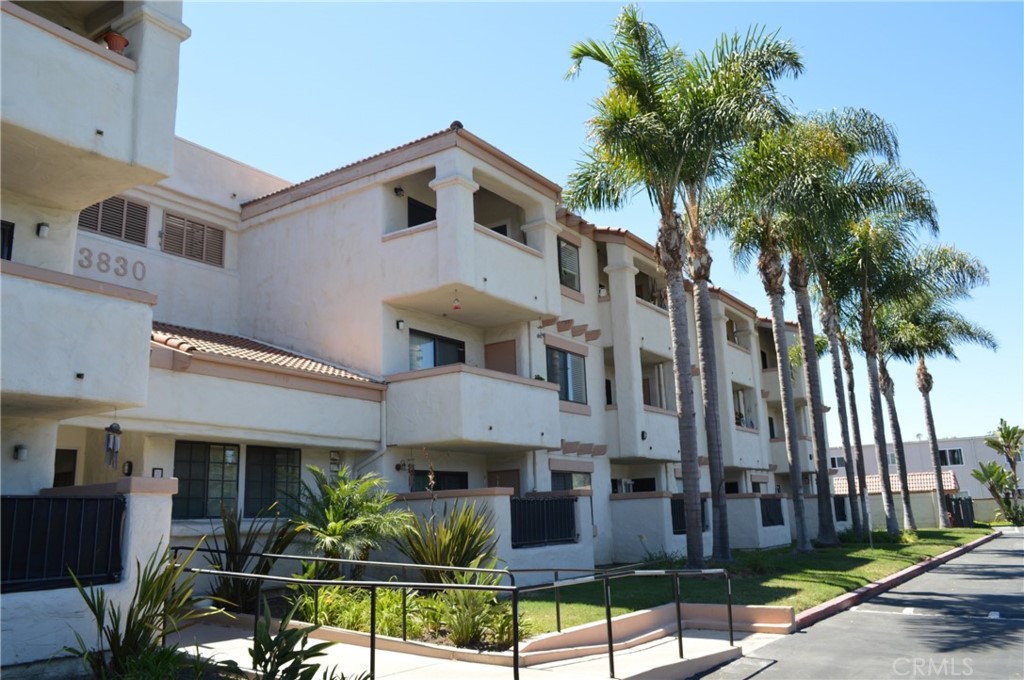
(112,216)
(174,234)
(136,218)
(214,246)
(569,265)
(578,377)
(89,219)
(194,234)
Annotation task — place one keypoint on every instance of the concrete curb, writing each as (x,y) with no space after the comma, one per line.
(855,597)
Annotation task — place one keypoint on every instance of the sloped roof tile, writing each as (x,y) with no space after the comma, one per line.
(194,340)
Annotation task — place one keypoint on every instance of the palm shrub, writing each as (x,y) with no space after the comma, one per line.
(1001,484)
(346,517)
(284,655)
(244,552)
(460,538)
(164,600)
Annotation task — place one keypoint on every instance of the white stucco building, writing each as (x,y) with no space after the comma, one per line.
(431,312)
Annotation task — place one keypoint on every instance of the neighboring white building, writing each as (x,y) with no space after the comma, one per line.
(429,312)
(958,457)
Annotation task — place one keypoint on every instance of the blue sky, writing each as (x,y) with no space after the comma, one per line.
(297,89)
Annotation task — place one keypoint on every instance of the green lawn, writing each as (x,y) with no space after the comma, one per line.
(768,577)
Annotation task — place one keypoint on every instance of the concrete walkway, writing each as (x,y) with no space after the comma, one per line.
(659,660)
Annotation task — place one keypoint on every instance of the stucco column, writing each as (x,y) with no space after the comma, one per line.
(629,396)
(542,236)
(155,33)
(455,232)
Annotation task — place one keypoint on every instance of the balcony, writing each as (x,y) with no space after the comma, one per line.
(81,122)
(463,408)
(770,385)
(651,522)
(497,280)
(662,429)
(72,346)
(766,525)
(804,448)
(652,324)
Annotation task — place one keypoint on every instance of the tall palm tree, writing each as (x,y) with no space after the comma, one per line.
(926,324)
(664,127)
(1007,441)
(875,257)
(858,445)
(638,144)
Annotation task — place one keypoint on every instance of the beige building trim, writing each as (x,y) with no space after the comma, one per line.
(27,271)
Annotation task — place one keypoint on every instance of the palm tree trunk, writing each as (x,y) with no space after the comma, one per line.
(869,342)
(924,385)
(889,392)
(798,279)
(700,269)
(772,274)
(858,445)
(670,257)
(830,326)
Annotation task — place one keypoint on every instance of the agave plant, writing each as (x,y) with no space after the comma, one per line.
(164,600)
(463,537)
(243,551)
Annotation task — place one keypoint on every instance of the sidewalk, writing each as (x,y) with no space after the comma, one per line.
(652,661)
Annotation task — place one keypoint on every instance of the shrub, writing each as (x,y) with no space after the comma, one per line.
(349,608)
(284,655)
(460,538)
(243,552)
(163,601)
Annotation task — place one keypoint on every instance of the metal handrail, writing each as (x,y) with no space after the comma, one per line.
(605,577)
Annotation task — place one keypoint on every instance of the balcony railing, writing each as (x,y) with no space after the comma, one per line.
(679,515)
(771,512)
(543,521)
(45,539)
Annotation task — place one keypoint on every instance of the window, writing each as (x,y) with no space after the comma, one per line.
(444,480)
(207,476)
(744,404)
(732,487)
(196,241)
(891,457)
(420,213)
(118,218)
(567,481)
(840,506)
(271,475)
(771,427)
(567,370)
(6,239)
(757,487)
(836,462)
(427,350)
(951,457)
(568,265)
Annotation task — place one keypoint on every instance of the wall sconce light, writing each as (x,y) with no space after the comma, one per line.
(643,435)
(42,230)
(399,191)
(456,304)
(127,467)
(20,452)
(400,324)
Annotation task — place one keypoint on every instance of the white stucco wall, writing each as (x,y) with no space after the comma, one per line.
(38,625)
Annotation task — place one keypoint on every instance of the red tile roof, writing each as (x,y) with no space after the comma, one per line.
(916,481)
(193,340)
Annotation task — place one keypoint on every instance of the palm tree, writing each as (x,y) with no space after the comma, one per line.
(637,143)
(347,516)
(923,325)
(1007,441)
(665,126)
(858,445)
(875,257)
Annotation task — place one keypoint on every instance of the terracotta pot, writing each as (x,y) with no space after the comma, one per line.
(115,41)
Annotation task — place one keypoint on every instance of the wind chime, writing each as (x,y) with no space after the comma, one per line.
(112,445)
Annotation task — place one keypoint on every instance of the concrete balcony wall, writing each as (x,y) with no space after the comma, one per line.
(496,500)
(97,122)
(57,327)
(652,326)
(781,459)
(746,448)
(29,629)
(463,406)
(662,428)
(505,281)
(745,523)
